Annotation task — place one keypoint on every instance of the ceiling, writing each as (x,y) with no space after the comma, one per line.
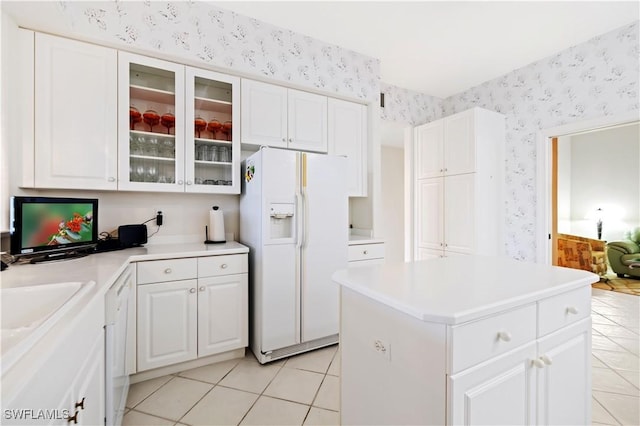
(445,47)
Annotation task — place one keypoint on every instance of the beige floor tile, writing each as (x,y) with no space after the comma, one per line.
(250,376)
(139,391)
(606,344)
(632,377)
(596,363)
(271,411)
(615,331)
(624,408)
(221,406)
(317,360)
(329,394)
(632,345)
(599,319)
(600,415)
(295,385)
(334,368)
(318,416)
(606,380)
(135,418)
(175,398)
(625,321)
(618,360)
(212,373)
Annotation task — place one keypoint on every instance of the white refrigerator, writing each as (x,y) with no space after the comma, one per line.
(294,219)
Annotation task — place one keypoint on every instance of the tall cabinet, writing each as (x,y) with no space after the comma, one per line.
(457,180)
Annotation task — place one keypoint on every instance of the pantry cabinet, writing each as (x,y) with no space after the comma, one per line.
(190,308)
(347,123)
(178,134)
(457,185)
(75,114)
(285,118)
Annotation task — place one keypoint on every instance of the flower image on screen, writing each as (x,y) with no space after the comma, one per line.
(51,224)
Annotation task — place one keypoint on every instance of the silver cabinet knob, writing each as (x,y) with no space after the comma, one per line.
(180,182)
(201,288)
(168,271)
(365,252)
(188,182)
(223,266)
(290,140)
(111,179)
(284,139)
(572,310)
(505,336)
(192,290)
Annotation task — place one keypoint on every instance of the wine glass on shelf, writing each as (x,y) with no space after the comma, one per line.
(151,118)
(134,117)
(200,125)
(168,120)
(226,129)
(214,126)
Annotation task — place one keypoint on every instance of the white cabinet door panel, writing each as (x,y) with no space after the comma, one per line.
(459,147)
(429,155)
(222,313)
(459,222)
(429,215)
(75,114)
(307,121)
(167,323)
(501,392)
(264,114)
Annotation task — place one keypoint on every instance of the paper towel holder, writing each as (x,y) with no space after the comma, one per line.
(206,237)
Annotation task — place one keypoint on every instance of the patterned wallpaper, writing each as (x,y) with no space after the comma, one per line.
(406,106)
(202,32)
(597,78)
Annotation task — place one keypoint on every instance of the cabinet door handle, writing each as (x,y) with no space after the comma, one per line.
(284,139)
(441,244)
(73,418)
(572,310)
(505,336)
(201,288)
(546,359)
(192,290)
(180,182)
(290,140)
(441,170)
(111,179)
(538,363)
(223,266)
(80,404)
(188,182)
(365,252)
(168,271)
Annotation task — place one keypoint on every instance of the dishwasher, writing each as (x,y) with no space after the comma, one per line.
(119,344)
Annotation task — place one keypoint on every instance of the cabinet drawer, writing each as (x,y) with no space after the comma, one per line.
(477,341)
(564,309)
(167,270)
(222,265)
(366,252)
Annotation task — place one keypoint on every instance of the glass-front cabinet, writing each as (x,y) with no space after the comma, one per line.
(212,138)
(178,134)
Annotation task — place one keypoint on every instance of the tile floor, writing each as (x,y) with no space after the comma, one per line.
(304,389)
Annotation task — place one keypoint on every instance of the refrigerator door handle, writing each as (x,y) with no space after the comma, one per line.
(299,220)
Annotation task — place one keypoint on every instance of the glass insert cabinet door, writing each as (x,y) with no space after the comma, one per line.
(150,124)
(212,145)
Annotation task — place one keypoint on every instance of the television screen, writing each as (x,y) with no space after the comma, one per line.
(49,224)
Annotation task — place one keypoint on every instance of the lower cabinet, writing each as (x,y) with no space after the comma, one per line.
(366,254)
(185,319)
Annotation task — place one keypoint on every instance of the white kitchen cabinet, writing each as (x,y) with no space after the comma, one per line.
(190,308)
(284,118)
(347,123)
(88,395)
(167,323)
(365,254)
(457,185)
(447,347)
(75,114)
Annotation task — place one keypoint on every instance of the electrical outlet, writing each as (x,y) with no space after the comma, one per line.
(159,218)
(383,348)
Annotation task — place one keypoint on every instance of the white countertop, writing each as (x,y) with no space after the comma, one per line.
(363,239)
(457,289)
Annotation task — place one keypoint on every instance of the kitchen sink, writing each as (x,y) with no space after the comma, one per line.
(27,313)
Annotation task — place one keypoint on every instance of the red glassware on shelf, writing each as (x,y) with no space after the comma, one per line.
(134,116)
(226,129)
(200,124)
(168,120)
(214,126)
(151,118)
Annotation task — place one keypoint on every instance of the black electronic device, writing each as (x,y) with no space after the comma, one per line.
(132,235)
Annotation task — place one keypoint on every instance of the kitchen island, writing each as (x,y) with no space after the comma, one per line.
(465,340)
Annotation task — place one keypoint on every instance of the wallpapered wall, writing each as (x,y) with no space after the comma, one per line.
(594,79)
(202,32)
(406,106)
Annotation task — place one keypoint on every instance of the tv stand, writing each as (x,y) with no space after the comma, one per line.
(64,255)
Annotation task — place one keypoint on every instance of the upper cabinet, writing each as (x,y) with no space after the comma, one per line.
(176,127)
(347,126)
(75,114)
(280,117)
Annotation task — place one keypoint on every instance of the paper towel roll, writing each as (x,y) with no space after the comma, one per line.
(216,225)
